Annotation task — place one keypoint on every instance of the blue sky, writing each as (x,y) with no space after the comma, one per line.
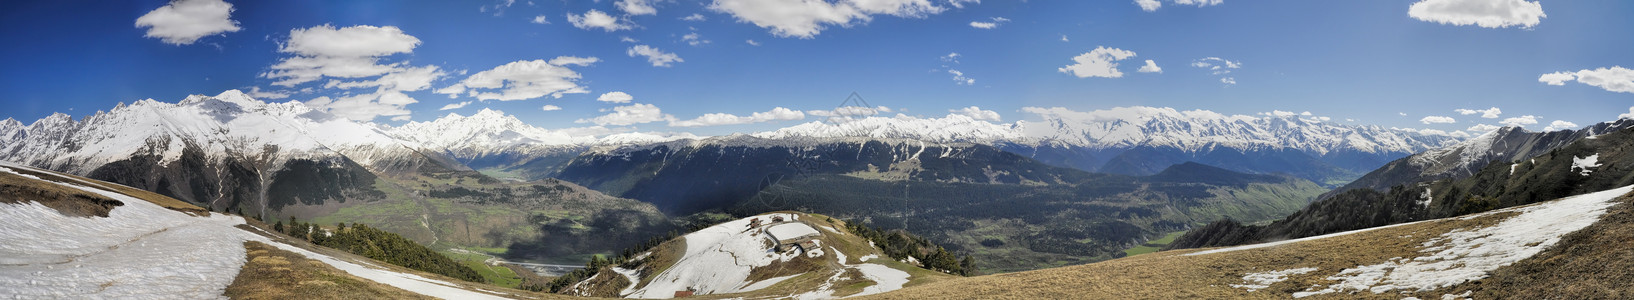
(1366,61)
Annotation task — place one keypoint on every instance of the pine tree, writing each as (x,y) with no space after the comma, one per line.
(967,266)
(278,227)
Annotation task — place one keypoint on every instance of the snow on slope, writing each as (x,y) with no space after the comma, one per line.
(718,260)
(1465,255)
(143,251)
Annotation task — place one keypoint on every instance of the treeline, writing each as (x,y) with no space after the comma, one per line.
(899,245)
(379,245)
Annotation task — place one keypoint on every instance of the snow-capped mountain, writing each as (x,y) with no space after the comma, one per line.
(1507,144)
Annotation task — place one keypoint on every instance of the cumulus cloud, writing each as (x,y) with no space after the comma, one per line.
(752,42)
(717,119)
(657,57)
(805,18)
(694,18)
(349,56)
(1483,13)
(615,97)
(1437,120)
(183,22)
(523,80)
(629,115)
(455,105)
(1629,115)
(1615,78)
(540,19)
(549,107)
(1278,113)
(636,7)
(1520,121)
(1153,5)
(1483,128)
(1101,62)
(1150,67)
(595,19)
(1559,125)
(994,23)
(257,93)
(976,113)
(1490,113)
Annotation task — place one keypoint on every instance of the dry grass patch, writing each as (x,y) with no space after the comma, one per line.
(66,200)
(273,273)
(161,200)
(1171,275)
(1594,263)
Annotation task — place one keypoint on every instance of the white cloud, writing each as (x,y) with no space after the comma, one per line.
(1559,125)
(1629,115)
(1490,113)
(1614,79)
(977,113)
(1149,5)
(1520,121)
(595,19)
(1101,62)
(694,39)
(354,41)
(1279,114)
(959,77)
(183,22)
(1150,67)
(1153,5)
(627,39)
(988,25)
(549,107)
(524,79)
(257,93)
(636,7)
(353,53)
(1064,38)
(717,119)
(615,97)
(456,105)
(1483,128)
(952,57)
(752,42)
(846,113)
(1402,114)
(1484,13)
(1437,120)
(807,18)
(630,115)
(657,57)
(540,19)
(1219,66)
(694,18)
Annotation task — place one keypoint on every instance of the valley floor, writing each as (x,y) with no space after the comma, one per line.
(1550,249)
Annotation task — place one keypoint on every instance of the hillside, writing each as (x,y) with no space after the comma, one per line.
(1592,163)
(1554,249)
(743,258)
(80,238)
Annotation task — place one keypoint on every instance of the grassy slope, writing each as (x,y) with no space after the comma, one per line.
(272,273)
(1578,268)
(1153,245)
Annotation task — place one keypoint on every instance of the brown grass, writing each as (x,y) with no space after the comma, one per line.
(1168,275)
(161,200)
(272,273)
(66,200)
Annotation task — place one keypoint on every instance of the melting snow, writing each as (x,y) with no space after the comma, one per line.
(717,260)
(142,250)
(1585,163)
(1464,255)
(1257,281)
(1283,242)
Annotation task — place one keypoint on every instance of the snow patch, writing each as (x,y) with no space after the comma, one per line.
(1284,242)
(718,260)
(1584,163)
(1262,280)
(1465,255)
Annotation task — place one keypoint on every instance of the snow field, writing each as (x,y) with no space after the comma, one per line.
(1464,255)
(1261,280)
(718,260)
(144,251)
